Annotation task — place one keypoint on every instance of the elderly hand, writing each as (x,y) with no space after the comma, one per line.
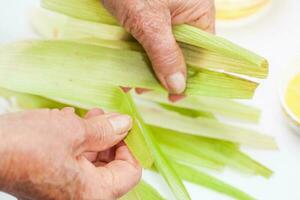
(54,154)
(150,22)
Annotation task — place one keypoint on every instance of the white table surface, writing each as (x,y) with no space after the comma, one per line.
(276,35)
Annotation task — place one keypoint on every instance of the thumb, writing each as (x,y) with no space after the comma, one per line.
(105,131)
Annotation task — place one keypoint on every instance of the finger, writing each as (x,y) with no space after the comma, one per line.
(175,98)
(126,89)
(124,171)
(141,90)
(166,58)
(68,110)
(107,155)
(105,131)
(103,156)
(93,112)
(152,28)
(92,156)
(99,163)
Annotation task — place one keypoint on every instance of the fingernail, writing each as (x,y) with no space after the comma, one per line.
(120,123)
(176,83)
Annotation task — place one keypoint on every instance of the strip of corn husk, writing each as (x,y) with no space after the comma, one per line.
(214,150)
(74,63)
(183,33)
(142,191)
(57,26)
(205,127)
(223,107)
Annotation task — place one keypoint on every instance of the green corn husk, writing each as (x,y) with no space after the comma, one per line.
(196,176)
(160,161)
(188,112)
(223,107)
(177,155)
(129,69)
(205,127)
(73,68)
(143,191)
(91,10)
(57,26)
(183,33)
(219,151)
(79,67)
(23,101)
(54,26)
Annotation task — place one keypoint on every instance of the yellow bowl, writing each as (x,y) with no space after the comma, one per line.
(290,94)
(236,9)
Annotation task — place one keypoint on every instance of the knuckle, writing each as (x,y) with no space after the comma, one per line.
(71,126)
(100,129)
(169,60)
(145,24)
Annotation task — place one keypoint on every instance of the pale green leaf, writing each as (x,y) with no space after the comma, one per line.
(224,107)
(205,127)
(213,150)
(143,191)
(54,25)
(160,161)
(196,176)
(72,64)
(183,33)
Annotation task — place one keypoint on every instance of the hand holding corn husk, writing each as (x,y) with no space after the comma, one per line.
(150,22)
(52,154)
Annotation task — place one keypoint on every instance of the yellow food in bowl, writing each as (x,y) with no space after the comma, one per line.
(292,96)
(234,9)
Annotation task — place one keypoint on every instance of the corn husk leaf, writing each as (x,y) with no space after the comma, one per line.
(91,10)
(57,26)
(183,33)
(143,191)
(178,155)
(214,150)
(188,112)
(196,176)
(23,101)
(223,107)
(160,161)
(71,64)
(205,127)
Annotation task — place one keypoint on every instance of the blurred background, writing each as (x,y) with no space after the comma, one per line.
(268,27)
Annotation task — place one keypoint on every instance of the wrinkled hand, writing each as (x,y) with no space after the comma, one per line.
(54,154)
(150,21)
